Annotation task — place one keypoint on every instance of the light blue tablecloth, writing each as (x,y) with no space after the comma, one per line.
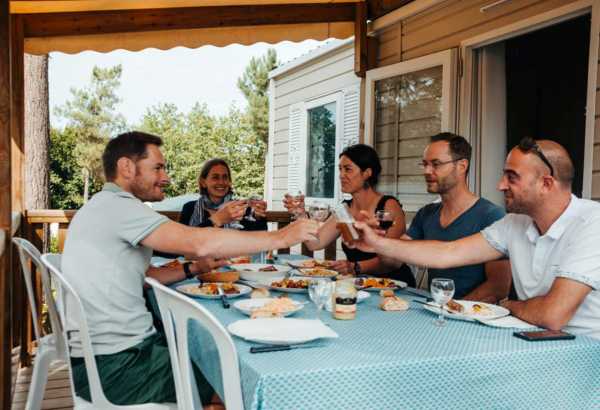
(400,360)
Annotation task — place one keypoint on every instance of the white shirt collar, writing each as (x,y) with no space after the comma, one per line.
(558,227)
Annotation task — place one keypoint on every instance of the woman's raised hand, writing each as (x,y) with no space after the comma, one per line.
(229,212)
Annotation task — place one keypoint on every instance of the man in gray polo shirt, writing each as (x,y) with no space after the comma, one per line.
(106,257)
(550,235)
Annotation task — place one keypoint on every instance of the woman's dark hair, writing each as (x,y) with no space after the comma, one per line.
(207,166)
(365,157)
(131,145)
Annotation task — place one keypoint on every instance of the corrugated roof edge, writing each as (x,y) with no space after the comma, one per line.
(328,48)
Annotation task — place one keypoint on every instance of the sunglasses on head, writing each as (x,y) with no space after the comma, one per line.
(528,144)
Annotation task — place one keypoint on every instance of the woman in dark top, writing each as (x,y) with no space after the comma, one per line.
(216,207)
(359,170)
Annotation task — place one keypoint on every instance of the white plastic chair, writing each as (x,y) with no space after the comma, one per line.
(48,347)
(176,310)
(99,401)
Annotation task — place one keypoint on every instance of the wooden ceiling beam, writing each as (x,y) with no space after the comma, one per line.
(377,8)
(66,24)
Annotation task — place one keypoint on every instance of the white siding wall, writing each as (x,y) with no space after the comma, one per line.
(328,74)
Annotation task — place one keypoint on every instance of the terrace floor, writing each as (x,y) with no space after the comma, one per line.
(58,391)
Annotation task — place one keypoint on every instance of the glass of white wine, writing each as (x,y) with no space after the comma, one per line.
(442,290)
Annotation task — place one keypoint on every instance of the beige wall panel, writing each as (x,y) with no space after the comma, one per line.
(448,26)
(385,115)
(597,101)
(389,45)
(321,89)
(280,183)
(596,163)
(412,188)
(280,172)
(425,109)
(386,133)
(412,147)
(389,61)
(316,77)
(422,128)
(280,160)
(282,123)
(280,148)
(596,186)
(414,202)
(408,166)
(304,70)
(597,130)
(388,167)
(385,149)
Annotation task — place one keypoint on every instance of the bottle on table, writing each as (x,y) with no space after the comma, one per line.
(344,300)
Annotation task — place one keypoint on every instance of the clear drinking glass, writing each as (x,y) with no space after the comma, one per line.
(442,290)
(236,224)
(319,211)
(320,291)
(297,201)
(251,202)
(385,219)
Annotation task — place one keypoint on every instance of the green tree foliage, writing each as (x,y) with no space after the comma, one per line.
(254,84)
(91,115)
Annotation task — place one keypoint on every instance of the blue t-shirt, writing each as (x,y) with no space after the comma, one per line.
(426,225)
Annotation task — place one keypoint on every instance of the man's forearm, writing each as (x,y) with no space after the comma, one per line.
(223,243)
(486,292)
(534,311)
(166,275)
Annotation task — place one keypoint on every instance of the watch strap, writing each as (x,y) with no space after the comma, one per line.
(186,269)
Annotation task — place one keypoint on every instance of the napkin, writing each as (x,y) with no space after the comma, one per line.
(281,330)
(508,322)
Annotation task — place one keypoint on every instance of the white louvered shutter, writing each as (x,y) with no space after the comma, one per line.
(351,116)
(296,149)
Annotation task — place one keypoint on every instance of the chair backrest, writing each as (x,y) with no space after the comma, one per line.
(29,253)
(68,295)
(176,311)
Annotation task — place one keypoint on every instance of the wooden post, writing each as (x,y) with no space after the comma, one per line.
(360,39)
(5,209)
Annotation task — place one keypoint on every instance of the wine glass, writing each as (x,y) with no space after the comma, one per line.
(442,291)
(385,219)
(320,291)
(251,202)
(297,201)
(236,224)
(319,211)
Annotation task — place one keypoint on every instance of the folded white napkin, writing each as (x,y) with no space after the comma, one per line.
(508,322)
(280,330)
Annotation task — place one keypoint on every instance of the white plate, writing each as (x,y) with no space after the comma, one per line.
(280,331)
(286,290)
(246,306)
(469,315)
(326,273)
(361,296)
(399,285)
(188,289)
(300,263)
(252,272)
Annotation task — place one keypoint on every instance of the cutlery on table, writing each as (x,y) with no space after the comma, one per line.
(278,348)
(224,302)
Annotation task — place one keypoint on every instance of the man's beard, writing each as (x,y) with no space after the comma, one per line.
(144,192)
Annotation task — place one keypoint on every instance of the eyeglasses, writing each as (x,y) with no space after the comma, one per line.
(528,144)
(435,164)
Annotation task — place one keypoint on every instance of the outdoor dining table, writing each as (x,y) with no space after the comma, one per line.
(400,360)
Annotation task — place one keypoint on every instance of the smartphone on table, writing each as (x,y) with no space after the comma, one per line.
(538,335)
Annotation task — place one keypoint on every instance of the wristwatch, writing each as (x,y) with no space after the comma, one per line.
(356,268)
(188,272)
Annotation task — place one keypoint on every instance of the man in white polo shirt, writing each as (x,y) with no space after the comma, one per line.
(550,236)
(106,257)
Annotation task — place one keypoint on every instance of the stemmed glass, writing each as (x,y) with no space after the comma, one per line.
(442,291)
(320,291)
(236,224)
(251,202)
(319,211)
(385,219)
(297,200)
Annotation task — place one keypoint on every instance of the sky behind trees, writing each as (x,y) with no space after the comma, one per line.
(180,76)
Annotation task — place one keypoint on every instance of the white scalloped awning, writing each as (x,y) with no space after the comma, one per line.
(191,38)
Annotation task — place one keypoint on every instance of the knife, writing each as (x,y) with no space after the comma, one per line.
(277,348)
(226,304)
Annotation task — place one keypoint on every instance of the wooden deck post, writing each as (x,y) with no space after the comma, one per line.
(360,39)
(5,208)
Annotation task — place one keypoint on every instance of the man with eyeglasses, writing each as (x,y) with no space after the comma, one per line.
(460,213)
(550,235)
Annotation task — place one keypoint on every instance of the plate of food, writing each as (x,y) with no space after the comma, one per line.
(268,307)
(378,284)
(290,285)
(318,273)
(468,310)
(310,263)
(240,259)
(210,290)
(259,271)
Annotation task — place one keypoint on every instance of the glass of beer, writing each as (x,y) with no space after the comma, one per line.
(344,223)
